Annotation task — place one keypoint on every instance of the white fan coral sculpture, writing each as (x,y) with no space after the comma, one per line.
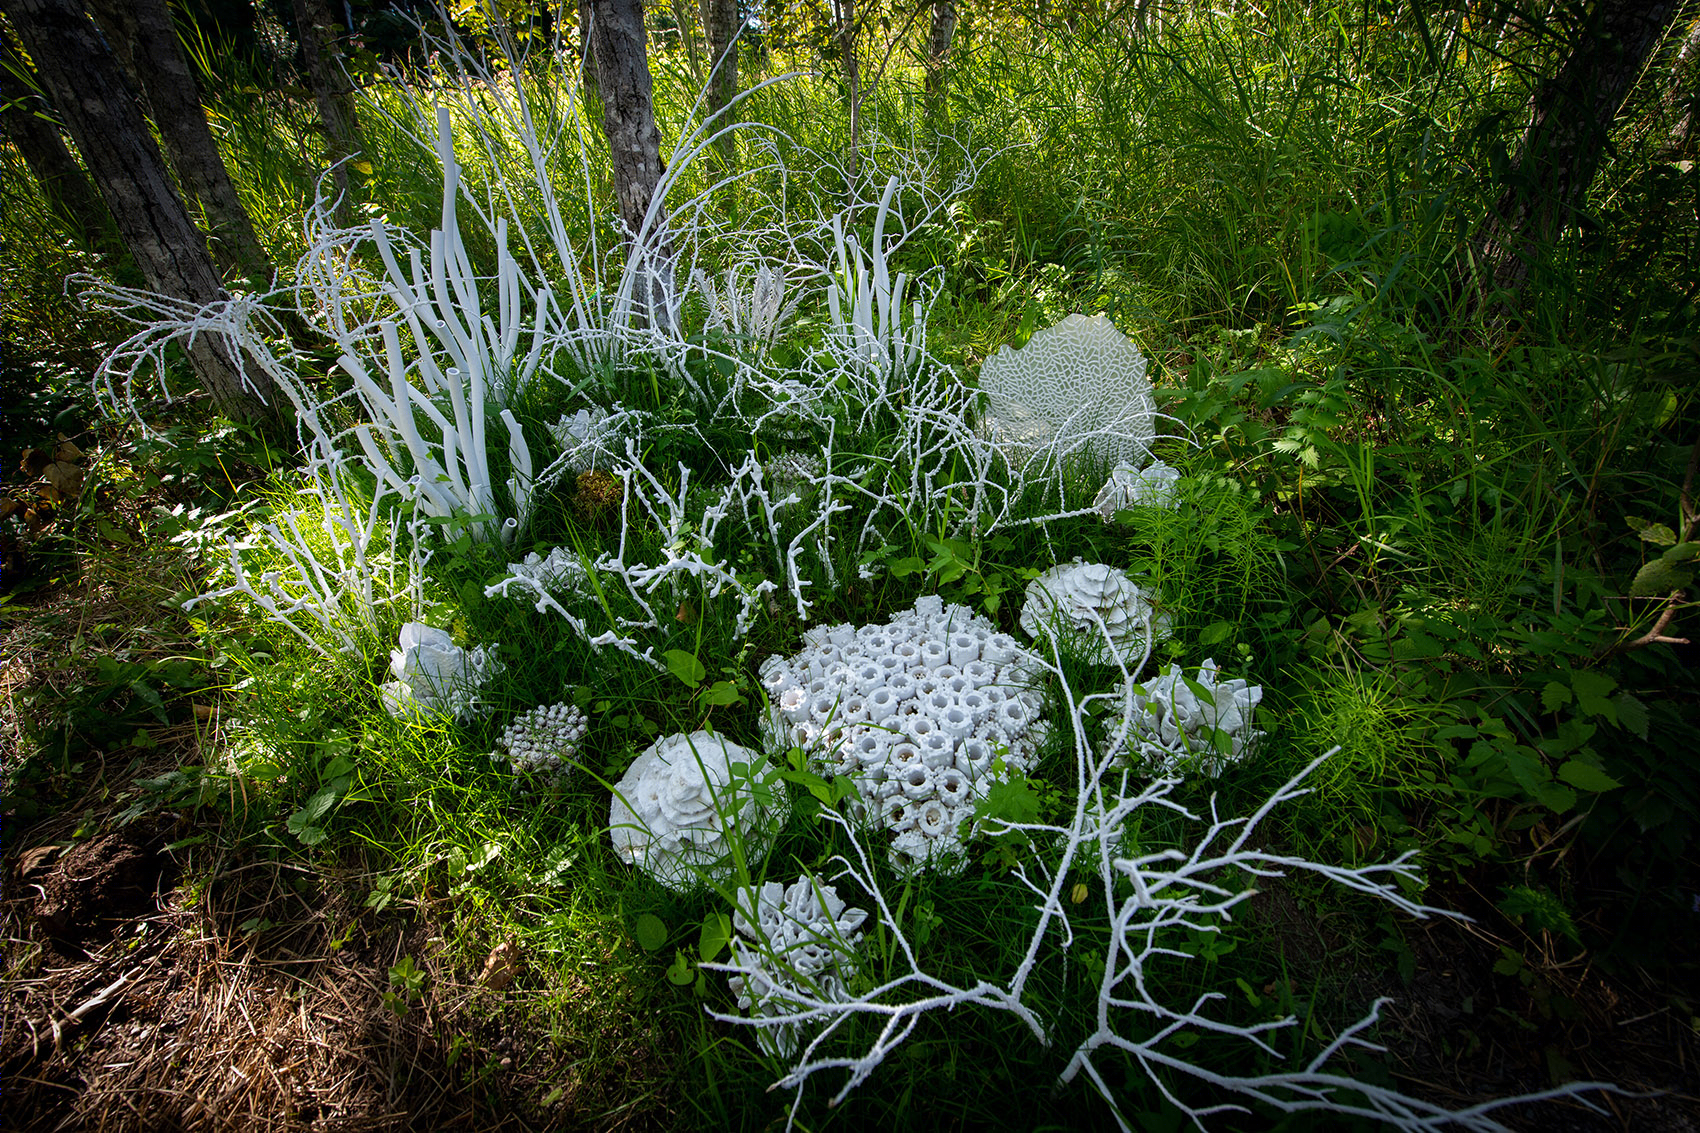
(543,742)
(1154,486)
(679,806)
(917,712)
(1078,386)
(1179,724)
(802,940)
(1101,603)
(434,676)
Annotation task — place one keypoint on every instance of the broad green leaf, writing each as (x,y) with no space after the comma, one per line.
(716,934)
(1631,715)
(685,666)
(1554,696)
(1586,777)
(650,932)
(1215,632)
(1658,578)
(1592,689)
(679,973)
(1556,798)
(1658,533)
(721,693)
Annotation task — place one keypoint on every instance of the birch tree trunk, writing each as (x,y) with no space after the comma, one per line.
(939,38)
(334,96)
(84,81)
(1571,116)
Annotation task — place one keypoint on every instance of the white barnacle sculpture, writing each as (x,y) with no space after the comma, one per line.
(672,811)
(543,742)
(1180,725)
(1079,386)
(801,947)
(916,712)
(1155,486)
(434,676)
(1101,603)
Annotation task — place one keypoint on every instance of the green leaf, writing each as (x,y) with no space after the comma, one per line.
(903,568)
(1658,533)
(1631,715)
(1658,578)
(685,666)
(1556,798)
(720,693)
(1215,632)
(650,932)
(1554,696)
(716,934)
(679,973)
(1592,688)
(1585,776)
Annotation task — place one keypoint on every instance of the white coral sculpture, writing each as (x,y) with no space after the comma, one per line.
(561,570)
(751,315)
(543,742)
(1180,725)
(916,712)
(671,811)
(802,940)
(590,438)
(434,676)
(1155,486)
(1118,620)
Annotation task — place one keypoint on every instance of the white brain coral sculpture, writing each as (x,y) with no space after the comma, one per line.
(1156,485)
(915,711)
(543,742)
(1080,595)
(671,810)
(1174,729)
(802,947)
(433,675)
(1079,385)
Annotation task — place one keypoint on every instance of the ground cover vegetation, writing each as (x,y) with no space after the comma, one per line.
(286,850)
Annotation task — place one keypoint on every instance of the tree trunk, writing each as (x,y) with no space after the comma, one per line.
(938,61)
(720,21)
(83,79)
(315,30)
(1570,125)
(845,10)
(164,78)
(62,182)
(587,55)
(634,142)
(1682,93)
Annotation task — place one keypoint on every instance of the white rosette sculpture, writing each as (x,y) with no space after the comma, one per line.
(1098,602)
(1155,486)
(917,712)
(672,811)
(1079,386)
(801,950)
(560,571)
(1180,725)
(434,676)
(543,742)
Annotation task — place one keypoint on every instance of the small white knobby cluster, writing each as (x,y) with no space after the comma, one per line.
(1156,485)
(1082,596)
(915,712)
(560,570)
(543,741)
(670,811)
(1173,729)
(1077,386)
(802,946)
(792,472)
(433,675)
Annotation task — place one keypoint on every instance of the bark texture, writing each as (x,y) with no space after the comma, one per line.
(720,21)
(83,79)
(939,38)
(1571,115)
(30,128)
(844,13)
(316,30)
(628,111)
(149,40)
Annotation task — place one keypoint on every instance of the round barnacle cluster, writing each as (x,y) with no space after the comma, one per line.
(1179,724)
(793,473)
(674,809)
(917,712)
(1096,602)
(802,944)
(542,742)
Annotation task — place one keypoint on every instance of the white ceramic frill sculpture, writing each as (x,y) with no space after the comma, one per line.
(917,711)
(1083,597)
(543,742)
(672,809)
(1176,731)
(434,676)
(801,947)
(1156,486)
